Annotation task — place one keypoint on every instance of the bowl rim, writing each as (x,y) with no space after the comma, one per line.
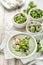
(35,32)
(32,17)
(25,56)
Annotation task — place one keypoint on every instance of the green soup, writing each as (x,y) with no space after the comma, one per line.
(21,45)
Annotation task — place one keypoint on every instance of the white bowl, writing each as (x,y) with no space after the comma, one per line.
(38,19)
(20,25)
(36,33)
(34,51)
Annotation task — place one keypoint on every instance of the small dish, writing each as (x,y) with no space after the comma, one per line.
(21,21)
(18,54)
(39,17)
(34,27)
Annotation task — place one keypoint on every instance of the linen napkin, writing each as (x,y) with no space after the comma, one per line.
(7,53)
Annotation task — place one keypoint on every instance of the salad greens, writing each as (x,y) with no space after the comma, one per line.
(30,6)
(20,18)
(23,45)
(37,13)
(27,10)
(39,47)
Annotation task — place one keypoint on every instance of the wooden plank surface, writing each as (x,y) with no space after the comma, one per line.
(2,33)
(1,22)
(4,26)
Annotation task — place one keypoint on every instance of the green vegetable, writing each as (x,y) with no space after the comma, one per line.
(20,18)
(38,28)
(27,10)
(34,27)
(23,45)
(30,6)
(38,45)
(37,13)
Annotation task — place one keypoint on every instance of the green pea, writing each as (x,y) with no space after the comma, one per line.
(39,47)
(20,18)
(36,13)
(38,28)
(32,28)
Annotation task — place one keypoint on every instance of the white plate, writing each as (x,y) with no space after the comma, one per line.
(10,5)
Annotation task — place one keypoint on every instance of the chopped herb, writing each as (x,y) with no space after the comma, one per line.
(38,45)
(30,6)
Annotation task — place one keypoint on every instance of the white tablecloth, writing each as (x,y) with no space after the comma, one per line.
(6,20)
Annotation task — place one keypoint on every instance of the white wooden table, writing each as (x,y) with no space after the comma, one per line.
(5,27)
(5,17)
